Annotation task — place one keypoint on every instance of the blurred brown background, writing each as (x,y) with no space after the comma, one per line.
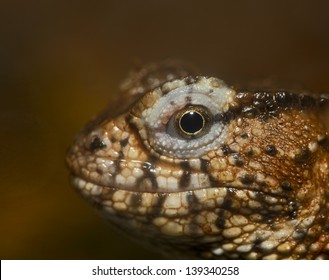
(60,63)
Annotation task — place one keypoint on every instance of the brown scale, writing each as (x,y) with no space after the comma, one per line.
(266,187)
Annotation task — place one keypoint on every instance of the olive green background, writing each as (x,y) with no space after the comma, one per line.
(61,62)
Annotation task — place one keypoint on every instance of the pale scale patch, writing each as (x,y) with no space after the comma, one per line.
(229,247)
(202,93)
(120,206)
(88,186)
(131,181)
(172,228)
(133,153)
(300,249)
(244,248)
(239,220)
(195,163)
(269,244)
(120,180)
(218,251)
(172,182)
(119,196)
(96,190)
(232,232)
(283,233)
(284,248)
(79,183)
(170,212)
(162,183)
(199,180)
(307,222)
(147,199)
(169,86)
(173,201)
(160,221)
(313,146)
(106,179)
(137,172)
(271,257)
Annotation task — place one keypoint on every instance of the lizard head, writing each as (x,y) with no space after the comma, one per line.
(195,166)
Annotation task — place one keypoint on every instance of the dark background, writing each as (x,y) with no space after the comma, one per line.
(62,61)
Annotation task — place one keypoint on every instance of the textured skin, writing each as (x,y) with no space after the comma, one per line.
(253,186)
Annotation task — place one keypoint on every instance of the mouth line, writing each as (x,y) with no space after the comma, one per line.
(230,188)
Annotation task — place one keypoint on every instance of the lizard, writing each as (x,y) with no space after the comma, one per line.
(202,170)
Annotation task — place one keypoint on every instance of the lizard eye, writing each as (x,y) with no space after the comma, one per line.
(181,122)
(192,121)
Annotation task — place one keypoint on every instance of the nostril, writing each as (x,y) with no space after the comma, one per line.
(96,143)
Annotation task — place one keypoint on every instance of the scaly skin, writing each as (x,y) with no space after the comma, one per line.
(253,184)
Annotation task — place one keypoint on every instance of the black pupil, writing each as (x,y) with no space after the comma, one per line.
(191,122)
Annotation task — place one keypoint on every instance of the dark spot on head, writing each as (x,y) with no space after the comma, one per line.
(117,163)
(188,99)
(193,229)
(249,111)
(262,184)
(227,203)
(99,171)
(300,233)
(304,156)
(247,179)
(324,142)
(268,218)
(204,165)
(280,98)
(325,223)
(265,105)
(285,186)
(226,117)
(148,167)
(120,155)
(124,142)
(250,152)
(220,222)
(193,202)
(96,144)
(226,149)
(262,100)
(185,180)
(286,99)
(149,173)
(213,181)
(190,80)
(238,161)
(156,207)
(259,239)
(271,150)
(257,245)
(307,101)
(323,100)
(133,129)
(228,199)
(135,199)
(293,210)
(244,135)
